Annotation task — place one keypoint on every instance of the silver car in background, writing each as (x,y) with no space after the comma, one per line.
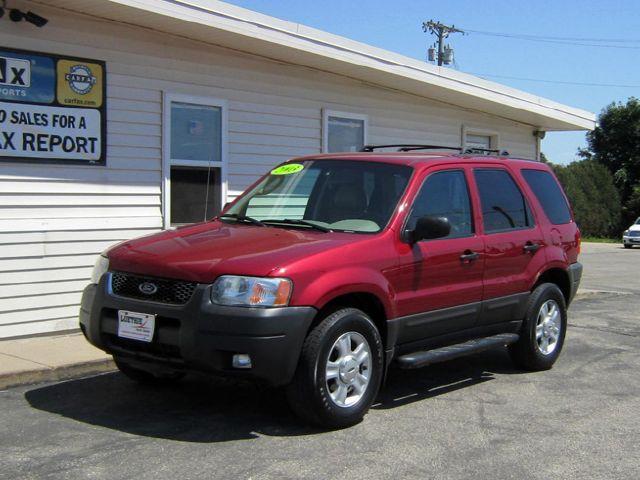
(631,236)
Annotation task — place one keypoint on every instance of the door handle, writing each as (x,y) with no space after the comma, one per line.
(531,247)
(469,256)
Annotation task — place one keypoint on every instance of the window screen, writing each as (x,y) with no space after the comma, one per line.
(503,205)
(548,193)
(345,134)
(445,194)
(478,141)
(195,194)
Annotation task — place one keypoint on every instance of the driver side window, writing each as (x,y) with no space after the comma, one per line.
(445,194)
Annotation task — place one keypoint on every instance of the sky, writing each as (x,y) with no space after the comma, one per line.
(396,25)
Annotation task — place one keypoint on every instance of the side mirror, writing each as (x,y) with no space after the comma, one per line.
(428,228)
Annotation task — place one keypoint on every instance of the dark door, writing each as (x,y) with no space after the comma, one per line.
(512,242)
(440,281)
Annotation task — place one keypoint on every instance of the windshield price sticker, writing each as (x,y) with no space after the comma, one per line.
(287,169)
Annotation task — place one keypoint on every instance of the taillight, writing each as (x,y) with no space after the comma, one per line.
(578,241)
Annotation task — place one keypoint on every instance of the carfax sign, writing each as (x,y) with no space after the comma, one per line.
(52,108)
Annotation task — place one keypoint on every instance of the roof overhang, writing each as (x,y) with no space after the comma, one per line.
(219,23)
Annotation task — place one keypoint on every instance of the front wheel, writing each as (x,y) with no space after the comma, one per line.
(339,371)
(543,330)
(627,245)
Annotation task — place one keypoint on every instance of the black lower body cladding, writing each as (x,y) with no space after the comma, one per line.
(575,275)
(200,335)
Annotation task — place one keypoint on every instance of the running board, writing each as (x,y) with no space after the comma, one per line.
(424,358)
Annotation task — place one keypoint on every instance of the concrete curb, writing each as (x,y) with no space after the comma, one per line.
(47,374)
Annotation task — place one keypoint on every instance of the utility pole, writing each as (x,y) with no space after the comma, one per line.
(441,31)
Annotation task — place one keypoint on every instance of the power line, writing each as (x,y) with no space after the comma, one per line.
(563,40)
(561,82)
(547,37)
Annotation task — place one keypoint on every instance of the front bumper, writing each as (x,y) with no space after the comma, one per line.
(630,240)
(200,335)
(575,275)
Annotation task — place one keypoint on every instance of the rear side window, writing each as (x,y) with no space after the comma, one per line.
(503,204)
(548,192)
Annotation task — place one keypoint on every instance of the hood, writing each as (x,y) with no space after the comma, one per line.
(634,228)
(202,252)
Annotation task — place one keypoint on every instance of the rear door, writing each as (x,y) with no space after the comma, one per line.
(513,244)
(439,286)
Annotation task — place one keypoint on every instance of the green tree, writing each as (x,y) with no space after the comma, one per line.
(593,196)
(615,143)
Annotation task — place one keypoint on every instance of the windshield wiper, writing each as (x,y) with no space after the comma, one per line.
(242,218)
(292,221)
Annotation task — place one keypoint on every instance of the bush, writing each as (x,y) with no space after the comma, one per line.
(593,195)
(615,143)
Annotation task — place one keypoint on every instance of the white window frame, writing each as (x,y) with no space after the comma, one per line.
(470,130)
(326,113)
(167,162)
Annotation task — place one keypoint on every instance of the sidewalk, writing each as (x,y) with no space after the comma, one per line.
(44,359)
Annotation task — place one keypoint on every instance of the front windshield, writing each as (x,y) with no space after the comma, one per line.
(638,221)
(341,195)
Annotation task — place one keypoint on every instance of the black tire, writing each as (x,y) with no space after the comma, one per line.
(309,395)
(526,353)
(627,245)
(145,377)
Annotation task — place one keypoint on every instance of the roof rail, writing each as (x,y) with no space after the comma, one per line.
(403,147)
(486,151)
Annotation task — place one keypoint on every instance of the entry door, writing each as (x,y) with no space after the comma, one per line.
(513,243)
(440,285)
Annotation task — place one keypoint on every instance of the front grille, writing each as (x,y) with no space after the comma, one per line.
(634,233)
(176,292)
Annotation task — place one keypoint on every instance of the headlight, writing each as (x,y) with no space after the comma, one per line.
(625,233)
(251,291)
(101,266)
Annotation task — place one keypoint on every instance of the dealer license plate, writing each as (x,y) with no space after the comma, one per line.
(137,326)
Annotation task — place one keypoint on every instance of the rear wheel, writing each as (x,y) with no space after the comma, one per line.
(339,372)
(146,377)
(543,330)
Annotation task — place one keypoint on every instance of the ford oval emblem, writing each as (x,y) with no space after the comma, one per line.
(148,288)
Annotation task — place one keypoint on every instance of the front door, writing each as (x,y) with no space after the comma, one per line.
(439,286)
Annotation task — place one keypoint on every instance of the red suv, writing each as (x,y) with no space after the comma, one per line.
(332,267)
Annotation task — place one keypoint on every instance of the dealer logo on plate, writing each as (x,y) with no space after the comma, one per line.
(80,79)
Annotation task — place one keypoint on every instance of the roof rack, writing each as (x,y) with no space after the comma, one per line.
(486,151)
(402,147)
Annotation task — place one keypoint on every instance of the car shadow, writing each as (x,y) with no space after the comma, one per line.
(209,410)
(408,386)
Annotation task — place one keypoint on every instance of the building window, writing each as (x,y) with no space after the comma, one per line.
(343,132)
(480,139)
(194,158)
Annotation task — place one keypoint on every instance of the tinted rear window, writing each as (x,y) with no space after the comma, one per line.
(548,192)
(503,205)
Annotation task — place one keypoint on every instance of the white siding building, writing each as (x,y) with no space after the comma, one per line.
(201,99)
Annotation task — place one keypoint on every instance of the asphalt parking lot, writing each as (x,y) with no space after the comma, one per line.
(472,418)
